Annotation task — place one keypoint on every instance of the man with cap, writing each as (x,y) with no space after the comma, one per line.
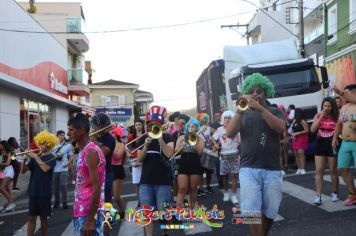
(156,177)
(260,175)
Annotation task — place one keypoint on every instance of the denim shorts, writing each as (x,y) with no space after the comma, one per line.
(78,223)
(155,195)
(261,192)
(346,155)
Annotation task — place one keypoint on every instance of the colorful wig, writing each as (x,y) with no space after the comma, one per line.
(192,121)
(46,138)
(226,114)
(203,117)
(258,80)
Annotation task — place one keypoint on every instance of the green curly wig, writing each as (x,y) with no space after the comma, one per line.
(258,80)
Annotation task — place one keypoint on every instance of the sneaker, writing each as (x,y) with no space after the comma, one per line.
(303,172)
(283,172)
(351,199)
(10,207)
(317,200)
(298,172)
(234,199)
(226,197)
(334,197)
(15,189)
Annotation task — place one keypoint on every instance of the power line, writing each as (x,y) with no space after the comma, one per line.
(130,29)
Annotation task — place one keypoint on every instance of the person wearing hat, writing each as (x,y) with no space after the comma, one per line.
(260,174)
(156,177)
(174,118)
(346,126)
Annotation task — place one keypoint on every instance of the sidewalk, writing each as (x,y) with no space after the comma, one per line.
(22,184)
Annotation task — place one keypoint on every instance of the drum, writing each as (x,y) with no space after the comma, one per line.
(229,156)
(208,159)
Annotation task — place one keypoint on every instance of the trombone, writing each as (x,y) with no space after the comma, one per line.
(101,132)
(14,155)
(154,131)
(190,138)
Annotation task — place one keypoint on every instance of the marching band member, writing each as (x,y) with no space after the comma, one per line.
(260,174)
(8,175)
(40,185)
(189,171)
(90,177)
(64,152)
(155,183)
(203,119)
(106,142)
(229,150)
(17,163)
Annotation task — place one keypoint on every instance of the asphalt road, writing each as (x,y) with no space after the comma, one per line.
(297,215)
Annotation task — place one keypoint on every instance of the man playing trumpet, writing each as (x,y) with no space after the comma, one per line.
(260,173)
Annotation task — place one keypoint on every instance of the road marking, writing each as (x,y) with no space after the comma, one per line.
(129,228)
(306,195)
(23,230)
(69,230)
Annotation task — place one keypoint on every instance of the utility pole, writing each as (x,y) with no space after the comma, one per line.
(247,35)
(301,28)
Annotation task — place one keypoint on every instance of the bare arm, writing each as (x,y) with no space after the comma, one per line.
(305,128)
(200,146)
(44,167)
(141,154)
(273,122)
(316,124)
(234,126)
(167,148)
(337,132)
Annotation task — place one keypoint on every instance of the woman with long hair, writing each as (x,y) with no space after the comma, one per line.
(16,164)
(324,124)
(189,170)
(300,139)
(8,172)
(117,161)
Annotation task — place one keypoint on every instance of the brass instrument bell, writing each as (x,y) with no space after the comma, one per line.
(242,104)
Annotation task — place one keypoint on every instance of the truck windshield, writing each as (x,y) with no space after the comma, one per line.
(295,82)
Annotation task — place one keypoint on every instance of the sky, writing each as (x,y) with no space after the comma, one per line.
(166,61)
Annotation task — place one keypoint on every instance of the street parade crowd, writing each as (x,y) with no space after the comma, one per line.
(173,161)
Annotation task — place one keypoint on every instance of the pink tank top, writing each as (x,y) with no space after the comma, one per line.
(116,159)
(83,188)
(327,127)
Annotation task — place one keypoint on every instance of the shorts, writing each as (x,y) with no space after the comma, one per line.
(300,142)
(136,174)
(189,165)
(230,165)
(323,147)
(39,206)
(155,195)
(118,172)
(261,192)
(78,223)
(9,172)
(347,153)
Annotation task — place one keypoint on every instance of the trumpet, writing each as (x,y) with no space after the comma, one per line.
(154,131)
(101,132)
(242,104)
(14,155)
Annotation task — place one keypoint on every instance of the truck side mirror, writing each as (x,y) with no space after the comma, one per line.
(324,77)
(233,85)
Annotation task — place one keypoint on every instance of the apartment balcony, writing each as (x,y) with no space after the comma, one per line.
(75,35)
(309,37)
(76,85)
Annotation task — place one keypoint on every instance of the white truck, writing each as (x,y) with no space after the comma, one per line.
(296,79)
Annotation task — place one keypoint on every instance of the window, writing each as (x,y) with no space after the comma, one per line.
(113,100)
(277,5)
(332,24)
(352,17)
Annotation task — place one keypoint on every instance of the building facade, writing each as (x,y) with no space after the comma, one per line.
(340,41)
(34,89)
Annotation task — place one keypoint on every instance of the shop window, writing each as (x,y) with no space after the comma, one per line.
(332,24)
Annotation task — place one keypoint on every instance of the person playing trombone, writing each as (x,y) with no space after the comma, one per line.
(40,185)
(155,183)
(189,171)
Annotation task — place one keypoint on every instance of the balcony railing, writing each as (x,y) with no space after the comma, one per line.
(75,25)
(314,34)
(75,76)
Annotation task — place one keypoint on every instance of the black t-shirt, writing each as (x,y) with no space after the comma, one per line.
(155,167)
(259,143)
(40,184)
(108,141)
